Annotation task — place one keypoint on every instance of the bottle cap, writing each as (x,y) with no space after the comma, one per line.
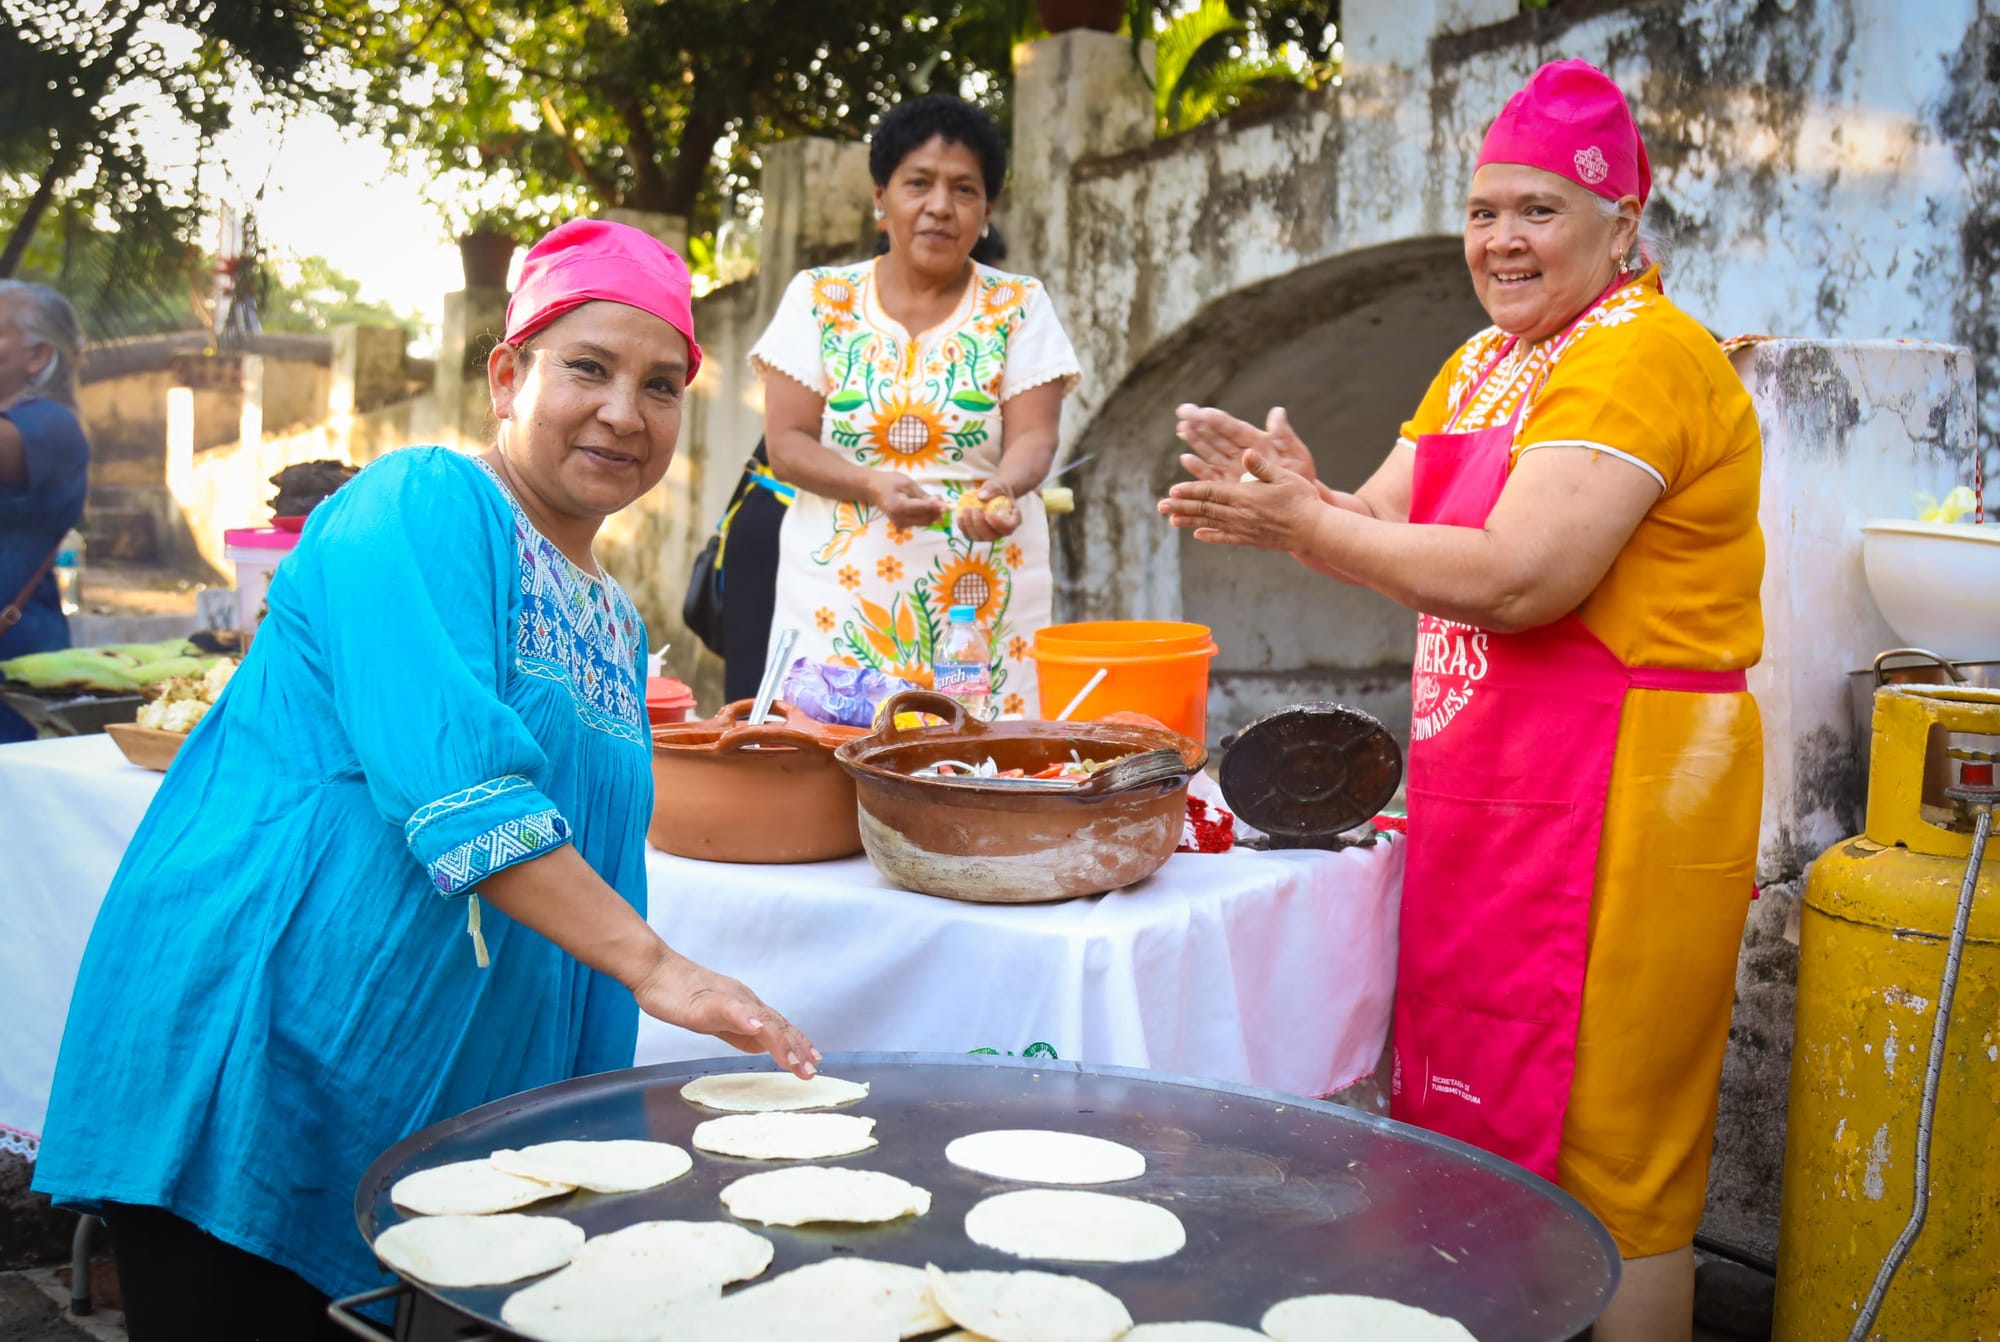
(964,614)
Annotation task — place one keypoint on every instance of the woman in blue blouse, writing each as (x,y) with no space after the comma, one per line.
(44,464)
(398,871)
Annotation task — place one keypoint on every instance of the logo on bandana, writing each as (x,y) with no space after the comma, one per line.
(1451,661)
(1590,165)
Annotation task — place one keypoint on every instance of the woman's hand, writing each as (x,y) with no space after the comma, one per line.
(1276,511)
(1218,440)
(981,521)
(681,992)
(903,501)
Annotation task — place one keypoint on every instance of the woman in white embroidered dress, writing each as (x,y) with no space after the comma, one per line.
(915,405)
(444,710)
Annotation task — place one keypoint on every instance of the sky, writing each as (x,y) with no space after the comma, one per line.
(325,191)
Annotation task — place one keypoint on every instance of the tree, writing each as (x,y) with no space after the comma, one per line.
(647,104)
(76,187)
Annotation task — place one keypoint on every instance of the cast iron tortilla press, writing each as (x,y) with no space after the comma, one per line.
(1308,774)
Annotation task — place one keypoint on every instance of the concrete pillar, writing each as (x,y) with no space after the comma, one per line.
(367,368)
(180,443)
(671,229)
(818,210)
(474,321)
(250,419)
(1077,95)
(1853,431)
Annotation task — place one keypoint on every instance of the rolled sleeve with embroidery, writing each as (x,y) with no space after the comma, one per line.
(418,637)
(463,838)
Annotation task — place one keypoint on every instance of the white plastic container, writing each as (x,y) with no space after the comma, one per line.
(256,552)
(1937,584)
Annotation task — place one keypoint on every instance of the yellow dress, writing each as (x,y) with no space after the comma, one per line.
(1642,381)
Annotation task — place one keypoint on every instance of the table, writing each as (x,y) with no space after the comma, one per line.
(1267,969)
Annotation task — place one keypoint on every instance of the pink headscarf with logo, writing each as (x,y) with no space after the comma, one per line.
(1571,120)
(594,260)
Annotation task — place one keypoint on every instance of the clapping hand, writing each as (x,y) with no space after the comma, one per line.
(1217,441)
(1275,511)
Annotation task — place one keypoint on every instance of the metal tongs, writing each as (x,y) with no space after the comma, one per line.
(774,670)
(1142,768)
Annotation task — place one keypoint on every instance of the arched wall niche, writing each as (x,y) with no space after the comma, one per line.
(1348,346)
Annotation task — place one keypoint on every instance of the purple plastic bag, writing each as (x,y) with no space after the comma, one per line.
(846,695)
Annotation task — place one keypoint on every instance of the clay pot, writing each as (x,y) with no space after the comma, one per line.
(486,258)
(1061,16)
(992,843)
(725,791)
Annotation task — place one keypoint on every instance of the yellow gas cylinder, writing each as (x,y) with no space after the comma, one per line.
(1872,946)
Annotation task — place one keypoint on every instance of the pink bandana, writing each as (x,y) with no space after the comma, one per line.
(1571,120)
(591,260)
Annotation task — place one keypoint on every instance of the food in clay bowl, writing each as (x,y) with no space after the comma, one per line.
(937,817)
(725,790)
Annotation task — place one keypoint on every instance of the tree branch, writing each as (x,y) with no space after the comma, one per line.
(651,189)
(67,153)
(699,132)
(600,186)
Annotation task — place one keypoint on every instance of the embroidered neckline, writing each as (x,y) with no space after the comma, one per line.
(961,312)
(599,578)
(576,629)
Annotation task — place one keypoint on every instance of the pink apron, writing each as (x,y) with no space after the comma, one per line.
(1512,741)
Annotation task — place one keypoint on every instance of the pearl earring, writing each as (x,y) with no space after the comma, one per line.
(986,232)
(879,216)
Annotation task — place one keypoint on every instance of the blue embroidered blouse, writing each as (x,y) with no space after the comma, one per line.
(279,985)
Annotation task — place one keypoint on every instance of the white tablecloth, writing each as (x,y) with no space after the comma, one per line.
(1272,969)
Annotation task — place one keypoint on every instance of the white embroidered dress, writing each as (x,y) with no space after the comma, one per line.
(859,590)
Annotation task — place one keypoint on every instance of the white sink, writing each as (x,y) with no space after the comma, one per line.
(1937,584)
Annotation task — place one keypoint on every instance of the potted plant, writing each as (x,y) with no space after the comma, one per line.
(486,246)
(1061,16)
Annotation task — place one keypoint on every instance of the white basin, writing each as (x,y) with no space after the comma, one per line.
(1937,584)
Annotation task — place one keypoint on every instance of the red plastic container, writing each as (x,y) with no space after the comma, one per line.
(668,700)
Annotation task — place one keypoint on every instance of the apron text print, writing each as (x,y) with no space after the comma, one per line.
(1451,660)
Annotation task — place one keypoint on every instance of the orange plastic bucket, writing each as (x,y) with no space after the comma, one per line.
(1156,667)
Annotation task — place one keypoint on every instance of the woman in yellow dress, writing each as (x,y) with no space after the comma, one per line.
(916,406)
(1573,513)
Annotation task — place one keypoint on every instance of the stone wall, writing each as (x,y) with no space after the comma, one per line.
(1817,176)
(1850,430)
(816,203)
(126,419)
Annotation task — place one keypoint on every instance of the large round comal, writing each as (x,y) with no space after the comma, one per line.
(1279,1196)
(1877,915)
(987,842)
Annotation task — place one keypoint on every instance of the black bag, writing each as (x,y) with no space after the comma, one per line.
(701,608)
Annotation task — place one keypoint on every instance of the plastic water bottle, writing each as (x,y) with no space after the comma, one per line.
(962,664)
(69,573)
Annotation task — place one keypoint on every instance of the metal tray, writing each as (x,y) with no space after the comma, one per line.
(67,714)
(1281,1196)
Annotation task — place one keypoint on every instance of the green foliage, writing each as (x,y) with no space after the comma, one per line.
(82,205)
(1216,56)
(307,294)
(647,104)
